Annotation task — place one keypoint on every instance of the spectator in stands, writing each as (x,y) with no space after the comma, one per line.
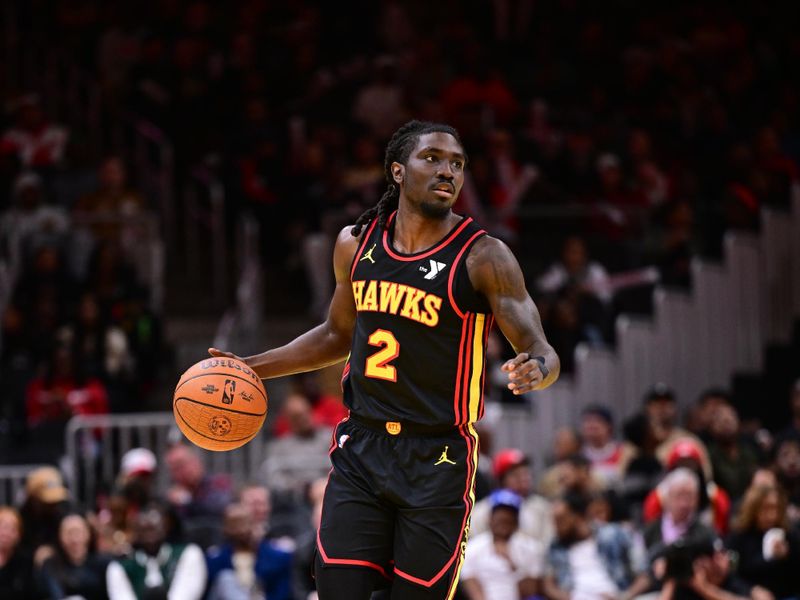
(572,474)
(585,562)
(132,490)
(565,329)
(644,470)
(710,574)
(61,392)
(280,522)
(608,456)
(100,346)
(680,493)
(16,568)
(76,569)
(495,186)
(767,547)
(701,413)
(566,442)
(675,244)
(46,290)
(661,408)
(734,456)
(244,567)
(258,500)
(303,584)
(106,209)
(295,460)
(18,361)
(327,409)
(714,503)
(787,469)
(619,217)
(575,269)
(380,105)
(512,471)
(157,569)
(794,408)
(111,278)
(30,223)
(143,329)
(198,497)
(46,501)
(502,563)
(33,139)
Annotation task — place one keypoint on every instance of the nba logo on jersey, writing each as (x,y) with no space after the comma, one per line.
(436,268)
(229,391)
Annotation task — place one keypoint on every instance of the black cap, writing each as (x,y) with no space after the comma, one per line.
(659,391)
(599,410)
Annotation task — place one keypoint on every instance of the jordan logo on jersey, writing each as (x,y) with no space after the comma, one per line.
(443,458)
(368,255)
(436,268)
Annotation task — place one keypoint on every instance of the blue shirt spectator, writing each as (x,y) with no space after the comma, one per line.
(245,567)
(586,561)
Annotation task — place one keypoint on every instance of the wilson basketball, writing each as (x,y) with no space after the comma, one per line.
(220,403)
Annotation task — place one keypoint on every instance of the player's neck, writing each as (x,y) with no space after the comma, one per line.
(415,232)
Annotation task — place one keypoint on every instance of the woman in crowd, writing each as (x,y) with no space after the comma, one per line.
(16,569)
(76,568)
(768,549)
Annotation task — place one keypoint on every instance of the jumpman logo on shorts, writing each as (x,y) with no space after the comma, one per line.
(443,458)
(368,255)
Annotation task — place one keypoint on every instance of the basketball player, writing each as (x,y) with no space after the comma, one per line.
(418,288)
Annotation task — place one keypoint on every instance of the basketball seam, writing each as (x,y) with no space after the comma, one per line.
(226,409)
(181,384)
(189,425)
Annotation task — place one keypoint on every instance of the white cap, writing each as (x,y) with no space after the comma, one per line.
(138,460)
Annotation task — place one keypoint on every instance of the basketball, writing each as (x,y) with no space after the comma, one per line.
(220,403)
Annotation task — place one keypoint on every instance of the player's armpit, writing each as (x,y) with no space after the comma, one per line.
(495,272)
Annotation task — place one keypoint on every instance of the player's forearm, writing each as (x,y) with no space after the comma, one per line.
(315,349)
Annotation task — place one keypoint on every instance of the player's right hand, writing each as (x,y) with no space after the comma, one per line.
(217,352)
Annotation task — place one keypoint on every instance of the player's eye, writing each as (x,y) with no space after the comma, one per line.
(457,164)
(430,158)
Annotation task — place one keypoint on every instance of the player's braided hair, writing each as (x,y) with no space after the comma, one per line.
(398,150)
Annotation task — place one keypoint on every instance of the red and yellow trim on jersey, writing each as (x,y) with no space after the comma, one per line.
(470,374)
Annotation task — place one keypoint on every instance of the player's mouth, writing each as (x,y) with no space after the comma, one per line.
(444,190)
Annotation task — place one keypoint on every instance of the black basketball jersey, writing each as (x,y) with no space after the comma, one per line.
(419,345)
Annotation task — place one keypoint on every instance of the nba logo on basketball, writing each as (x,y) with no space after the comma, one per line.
(228,391)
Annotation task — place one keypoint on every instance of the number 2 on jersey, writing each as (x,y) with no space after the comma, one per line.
(377,364)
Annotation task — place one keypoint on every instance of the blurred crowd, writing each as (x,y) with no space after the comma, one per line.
(657,505)
(79,330)
(645,130)
(609,145)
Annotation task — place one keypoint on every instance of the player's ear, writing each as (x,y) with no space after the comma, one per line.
(398,172)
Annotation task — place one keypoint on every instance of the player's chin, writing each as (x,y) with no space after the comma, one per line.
(437,207)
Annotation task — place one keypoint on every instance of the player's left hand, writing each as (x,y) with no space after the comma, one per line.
(524,373)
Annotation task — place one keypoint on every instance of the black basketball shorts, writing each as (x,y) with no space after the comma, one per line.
(398,500)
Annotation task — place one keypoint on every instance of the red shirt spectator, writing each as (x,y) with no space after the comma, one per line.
(718,504)
(34,141)
(63,392)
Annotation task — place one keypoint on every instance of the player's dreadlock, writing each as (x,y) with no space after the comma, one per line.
(398,150)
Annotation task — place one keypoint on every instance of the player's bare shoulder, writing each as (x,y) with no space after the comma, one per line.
(493,268)
(345,249)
